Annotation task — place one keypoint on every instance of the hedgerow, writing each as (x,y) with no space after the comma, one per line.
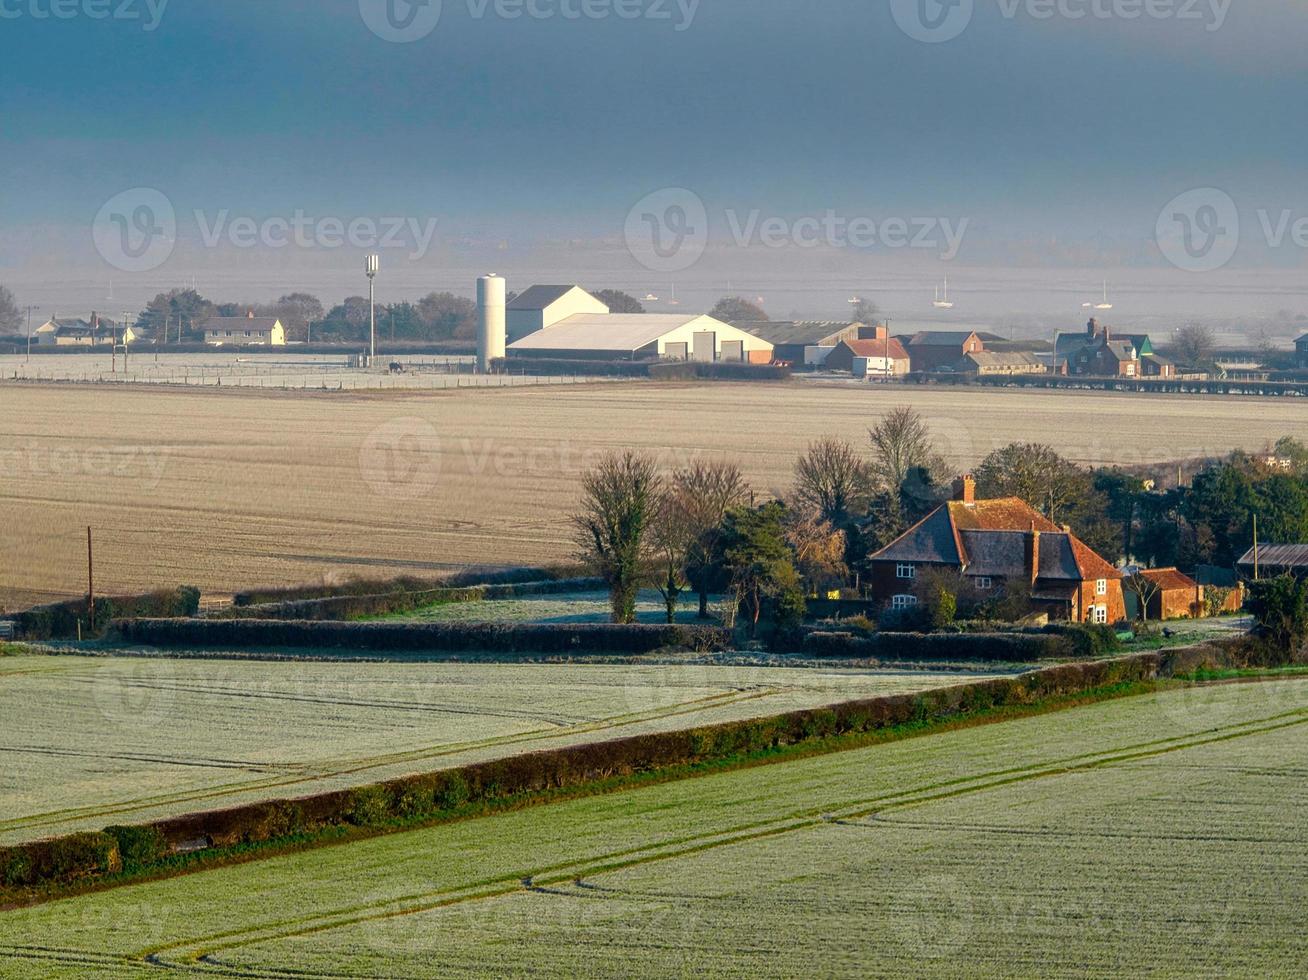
(61,620)
(946,647)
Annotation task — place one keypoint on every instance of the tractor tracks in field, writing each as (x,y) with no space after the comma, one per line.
(300,775)
(204,955)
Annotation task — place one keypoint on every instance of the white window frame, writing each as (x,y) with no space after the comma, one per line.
(900,602)
(1101,587)
(1099,615)
(906,571)
(985,583)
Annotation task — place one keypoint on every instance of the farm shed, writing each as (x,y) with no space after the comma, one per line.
(1271,560)
(1171,594)
(880,354)
(988,364)
(931,350)
(643,336)
(540,307)
(791,338)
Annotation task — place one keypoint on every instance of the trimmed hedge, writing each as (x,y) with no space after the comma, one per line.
(60,621)
(1007,647)
(406,583)
(531,638)
(344,607)
(431,796)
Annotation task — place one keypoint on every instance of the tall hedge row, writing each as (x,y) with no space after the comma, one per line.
(235,634)
(405,583)
(60,621)
(1004,647)
(344,607)
(440,794)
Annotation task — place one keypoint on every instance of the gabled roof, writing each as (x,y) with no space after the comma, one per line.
(1123,350)
(1301,341)
(941,338)
(991,538)
(811,333)
(987,358)
(878,348)
(623,332)
(1169,579)
(540,297)
(1278,556)
(240,323)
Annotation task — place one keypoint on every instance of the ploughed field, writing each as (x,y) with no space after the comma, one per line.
(1156,835)
(230,489)
(90,742)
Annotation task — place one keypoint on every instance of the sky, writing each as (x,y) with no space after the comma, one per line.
(1058,131)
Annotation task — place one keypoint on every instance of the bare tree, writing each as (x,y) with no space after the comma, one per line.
(613,526)
(1145,590)
(833,481)
(901,442)
(671,539)
(1195,344)
(704,491)
(1037,474)
(819,549)
(867,312)
(11,318)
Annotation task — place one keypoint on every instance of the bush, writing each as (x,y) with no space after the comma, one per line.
(510,638)
(407,583)
(138,846)
(1086,640)
(1281,607)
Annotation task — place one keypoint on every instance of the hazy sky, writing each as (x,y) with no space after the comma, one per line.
(1046,134)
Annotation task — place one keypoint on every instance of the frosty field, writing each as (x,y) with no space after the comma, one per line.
(1157,835)
(87,742)
(231,489)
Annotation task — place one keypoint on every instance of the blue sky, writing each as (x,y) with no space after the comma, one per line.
(1068,129)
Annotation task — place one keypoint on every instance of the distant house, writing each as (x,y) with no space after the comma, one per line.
(791,338)
(1001,545)
(931,350)
(68,332)
(240,331)
(1098,353)
(1301,351)
(879,355)
(987,364)
(544,306)
(1271,560)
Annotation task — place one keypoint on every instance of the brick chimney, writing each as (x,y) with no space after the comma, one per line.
(249,314)
(1033,553)
(965,489)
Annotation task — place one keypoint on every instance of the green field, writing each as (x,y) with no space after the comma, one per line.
(94,741)
(1156,835)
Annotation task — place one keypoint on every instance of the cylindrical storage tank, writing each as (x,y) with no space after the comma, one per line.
(492,333)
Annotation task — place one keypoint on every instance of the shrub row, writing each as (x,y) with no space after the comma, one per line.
(656,370)
(345,607)
(436,795)
(1007,647)
(235,634)
(407,583)
(60,621)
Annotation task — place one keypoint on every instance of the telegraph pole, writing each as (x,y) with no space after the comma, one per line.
(90,583)
(29,330)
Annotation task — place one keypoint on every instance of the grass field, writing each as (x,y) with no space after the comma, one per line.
(229,489)
(566,607)
(1156,835)
(89,742)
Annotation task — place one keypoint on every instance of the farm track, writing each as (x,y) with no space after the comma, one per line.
(202,954)
(298,775)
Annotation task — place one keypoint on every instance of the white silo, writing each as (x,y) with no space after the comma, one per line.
(491,330)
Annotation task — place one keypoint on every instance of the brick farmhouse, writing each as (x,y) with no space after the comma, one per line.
(1001,545)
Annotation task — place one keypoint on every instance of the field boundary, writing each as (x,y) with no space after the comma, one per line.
(42,870)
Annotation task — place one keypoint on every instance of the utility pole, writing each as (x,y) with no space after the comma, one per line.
(29,330)
(889,371)
(90,583)
(372,267)
(1256,570)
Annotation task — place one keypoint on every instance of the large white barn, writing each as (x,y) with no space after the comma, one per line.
(568,322)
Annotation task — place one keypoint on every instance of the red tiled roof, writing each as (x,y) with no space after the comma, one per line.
(877,348)
(1169,579)
(1090,564)
(1003,514)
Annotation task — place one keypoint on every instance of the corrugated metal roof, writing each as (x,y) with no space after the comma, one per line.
(811,333)
(626,332)
(539,297)
(1278,556)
